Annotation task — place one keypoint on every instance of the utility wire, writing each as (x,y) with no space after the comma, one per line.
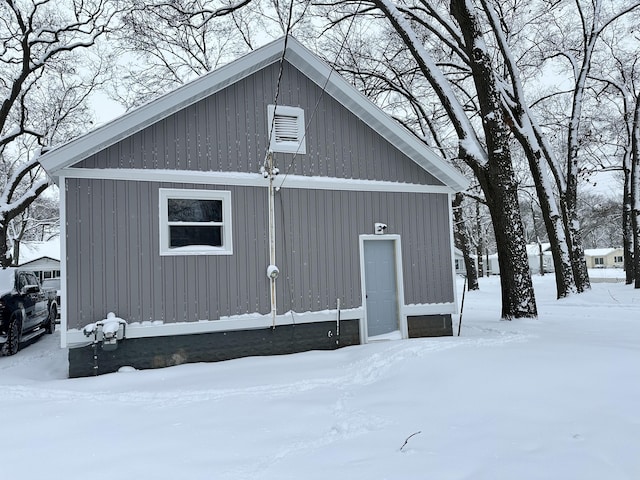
(279,81)
(308,123)
(322,91)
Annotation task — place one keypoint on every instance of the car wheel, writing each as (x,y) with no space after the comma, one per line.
(12,344)
(51,321)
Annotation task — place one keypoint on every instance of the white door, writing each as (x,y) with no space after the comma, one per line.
(381,290)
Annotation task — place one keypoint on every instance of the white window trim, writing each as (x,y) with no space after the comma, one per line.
(227,240)
(298,146)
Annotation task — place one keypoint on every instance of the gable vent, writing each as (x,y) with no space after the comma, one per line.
(288,129)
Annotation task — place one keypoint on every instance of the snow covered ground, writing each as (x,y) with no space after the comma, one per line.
(553,398)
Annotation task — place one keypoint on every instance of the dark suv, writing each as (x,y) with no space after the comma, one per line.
(26,309)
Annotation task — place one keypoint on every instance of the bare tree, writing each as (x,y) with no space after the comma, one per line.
(486,151)
(619,74)
(483,146)
(523,125)
(40,221)
(522,38)
(43,91)
(461,234)
(635,191)
(576,42)
(164,44)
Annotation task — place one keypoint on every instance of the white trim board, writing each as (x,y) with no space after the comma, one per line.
(249,180)
(63,265)
(429,309)
(75,338)
(226,324)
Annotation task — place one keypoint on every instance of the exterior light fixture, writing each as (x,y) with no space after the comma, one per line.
(272,272)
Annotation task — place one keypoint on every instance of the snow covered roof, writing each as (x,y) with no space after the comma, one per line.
(599,252)
(534,248)
(300,57)
(30,251)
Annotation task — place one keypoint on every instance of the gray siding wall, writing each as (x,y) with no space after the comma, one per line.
(112,230)
(228,132)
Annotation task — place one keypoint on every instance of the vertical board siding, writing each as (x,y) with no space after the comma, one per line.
(114,226)
(227,131)
(318,234)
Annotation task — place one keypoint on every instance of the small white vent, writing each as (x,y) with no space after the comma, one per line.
(288,129)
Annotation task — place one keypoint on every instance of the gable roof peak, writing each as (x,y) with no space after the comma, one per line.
(296,54)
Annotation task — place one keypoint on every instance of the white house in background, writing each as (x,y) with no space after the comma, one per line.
(459,261)
(43,258)
(604,257)
(534,250)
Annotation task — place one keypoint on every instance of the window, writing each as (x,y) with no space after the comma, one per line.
(22,281)
(288,129)
(195,222)
(617,259)
(27,279)
(32,279)
(598,260)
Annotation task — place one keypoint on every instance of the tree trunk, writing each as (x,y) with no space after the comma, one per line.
(6,259)
(564,274)
(635,192)
(480,250)
(460,232)
(574,239)
(16,251)
(518,299)
(497,178)
(627,228)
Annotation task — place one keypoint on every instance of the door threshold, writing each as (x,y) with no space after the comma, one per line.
(384,337)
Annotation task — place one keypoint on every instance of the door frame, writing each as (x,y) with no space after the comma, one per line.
(364,336)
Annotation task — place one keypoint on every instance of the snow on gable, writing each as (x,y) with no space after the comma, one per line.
(599,252)
(534,248)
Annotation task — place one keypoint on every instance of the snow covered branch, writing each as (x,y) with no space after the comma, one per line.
(470,147)
(44,83)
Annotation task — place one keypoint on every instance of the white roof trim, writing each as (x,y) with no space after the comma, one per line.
(304,60)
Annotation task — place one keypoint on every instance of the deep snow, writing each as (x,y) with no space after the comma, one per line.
(552,398)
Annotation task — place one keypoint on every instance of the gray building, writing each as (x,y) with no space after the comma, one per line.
(166,222)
